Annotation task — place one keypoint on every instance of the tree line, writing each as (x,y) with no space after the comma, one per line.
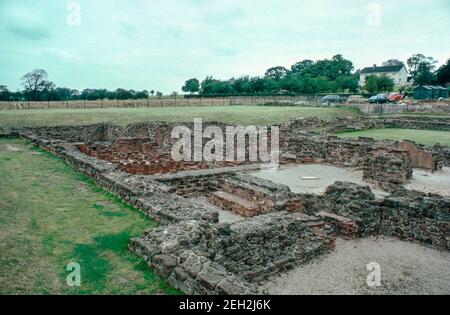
(37,87)
(329,75)
(322,76)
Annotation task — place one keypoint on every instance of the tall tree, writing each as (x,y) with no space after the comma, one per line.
(4,93)
(443,73)
(421,69)
(302,67)
(376,84)
(385,84)
(35,83)
(191,86)
(276,73)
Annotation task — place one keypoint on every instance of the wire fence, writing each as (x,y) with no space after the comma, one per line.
(256,100)
(163,102)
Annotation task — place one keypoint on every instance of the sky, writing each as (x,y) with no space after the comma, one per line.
(157,45)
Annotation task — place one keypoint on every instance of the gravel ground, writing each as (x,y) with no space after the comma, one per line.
(326,176)
(406,268)
(437,182)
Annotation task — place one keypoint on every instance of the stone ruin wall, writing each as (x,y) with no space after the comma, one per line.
(199,256)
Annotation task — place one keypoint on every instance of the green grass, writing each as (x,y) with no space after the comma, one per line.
(246,115)
(51,216)
(429,137)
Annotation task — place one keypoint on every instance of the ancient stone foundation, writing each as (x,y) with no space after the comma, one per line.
(277,229)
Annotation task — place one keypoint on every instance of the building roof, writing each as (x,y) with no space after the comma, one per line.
(382,69)
(431,87)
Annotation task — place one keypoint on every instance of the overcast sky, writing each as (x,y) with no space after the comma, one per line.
(149,44)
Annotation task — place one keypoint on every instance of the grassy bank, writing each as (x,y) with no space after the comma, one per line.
(51,216)
(429,137)
(246,115)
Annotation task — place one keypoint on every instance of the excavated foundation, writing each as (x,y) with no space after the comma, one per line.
(274,228)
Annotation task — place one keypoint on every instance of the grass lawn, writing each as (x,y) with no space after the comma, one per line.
(246,115)
(51,216)
(429,137)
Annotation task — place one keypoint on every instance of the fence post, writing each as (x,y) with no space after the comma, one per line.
(48,104)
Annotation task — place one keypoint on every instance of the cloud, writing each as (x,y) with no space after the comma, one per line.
(29,31)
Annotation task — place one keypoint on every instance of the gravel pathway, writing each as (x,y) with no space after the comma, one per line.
(406,268)
(437,182)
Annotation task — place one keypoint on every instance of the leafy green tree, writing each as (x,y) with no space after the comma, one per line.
(241,85)
(302,67)
(257,85)
(371,84)
(63,93)
(443,73)
(421,69)
(271,86)
(348,82)
(276,73)
(141,95)
(191,86)
(4,93)
(122,94)
(213,86)
(377,84)
(385,84)
(330,69)
(36,85)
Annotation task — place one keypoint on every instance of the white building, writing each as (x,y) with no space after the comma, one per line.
(398,73)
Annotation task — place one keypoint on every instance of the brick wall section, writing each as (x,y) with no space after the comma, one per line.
(388,169)
(139,156)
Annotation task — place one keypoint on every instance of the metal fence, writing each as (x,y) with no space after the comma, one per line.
(256,100)
(164,102)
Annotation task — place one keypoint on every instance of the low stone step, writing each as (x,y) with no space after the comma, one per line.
(347,226)
(234,203)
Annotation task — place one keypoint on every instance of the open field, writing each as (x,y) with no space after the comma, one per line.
(246,115)
(51,216)
(429,137)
